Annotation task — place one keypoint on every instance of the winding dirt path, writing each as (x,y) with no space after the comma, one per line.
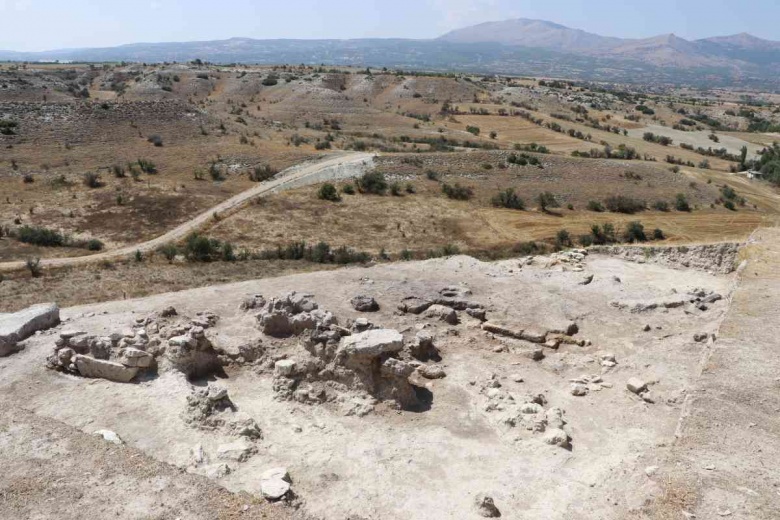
(337,167)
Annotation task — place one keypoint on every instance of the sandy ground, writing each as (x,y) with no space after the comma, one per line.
(432,464)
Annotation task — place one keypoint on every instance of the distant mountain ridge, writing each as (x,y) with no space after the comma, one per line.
(663,50)
(518,47)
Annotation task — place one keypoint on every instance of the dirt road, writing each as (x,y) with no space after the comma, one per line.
(341,166)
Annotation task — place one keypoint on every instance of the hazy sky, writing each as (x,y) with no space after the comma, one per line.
(30,25)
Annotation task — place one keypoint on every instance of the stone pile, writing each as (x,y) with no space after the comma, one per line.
(524,412)
(160,342)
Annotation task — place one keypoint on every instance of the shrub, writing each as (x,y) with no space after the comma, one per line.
(586,240)
(92,180)
(34,266)
(474,130)
(508,199)
(40,236)
(622,204)
(155,139)
(198,248)
(635,232)
(270,80)
(322,145)
(432,175)
(406,255)
(169,251)
(661,205)
(563,239)
(526,248)
(546,200)
(119,171)
(395,189)
(372,182)
(262,173)
(603,235)
(328,192)
(348,189)
(147,166)
(658,234)
(28,178)
(457,192)
(596,206)
(410,188)
(681,203)
(730,205)
(94,245)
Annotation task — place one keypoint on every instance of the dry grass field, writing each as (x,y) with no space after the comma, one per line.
(216,125)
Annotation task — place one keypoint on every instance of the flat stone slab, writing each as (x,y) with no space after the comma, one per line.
(373,343)
(100,369)
(20,325)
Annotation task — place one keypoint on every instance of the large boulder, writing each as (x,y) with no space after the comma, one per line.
(372,343)
(20,325)
(101,369)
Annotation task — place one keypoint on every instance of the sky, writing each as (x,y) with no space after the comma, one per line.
(36,25)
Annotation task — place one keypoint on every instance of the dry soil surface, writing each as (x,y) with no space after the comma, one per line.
(629,457)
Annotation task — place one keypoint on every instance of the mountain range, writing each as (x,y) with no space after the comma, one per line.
(519,47)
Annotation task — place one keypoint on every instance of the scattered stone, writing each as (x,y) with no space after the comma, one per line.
(479,314)
(442,313)
(110,436)
(587,280)
(98,368)
(700,337)
(486,507)
(636,386)
(647,328)
(422,347)
(557,437)
(414,305)
(364,304)
(578,389)
(237,451)
(168,312)
(651,470)
(135,358)
(17,326)
(517,378)
(253,302)
(432,372)
(285,367)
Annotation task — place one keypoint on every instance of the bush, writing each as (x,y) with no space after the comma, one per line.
(155,139)
(395,189)
(262,173)
(169,251)
(328,192)
(527,248)
(270,80)
(596,206)
(622,204)
(563,239)
(348,189)
(119,171)
(92,180)
(586,240)
(198,248)
(546,200)
(28,178)
(603,235)
(508,199)
(661,205)
(658,234)
(730,205)
(40,236)
(147,166)
(457,192)
(94,245)
(474,130)
(34,266)
(410,188)
(635,232)
(373,183)
(681,203)
(432,175)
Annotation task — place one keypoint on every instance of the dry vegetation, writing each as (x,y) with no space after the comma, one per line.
(209,130)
